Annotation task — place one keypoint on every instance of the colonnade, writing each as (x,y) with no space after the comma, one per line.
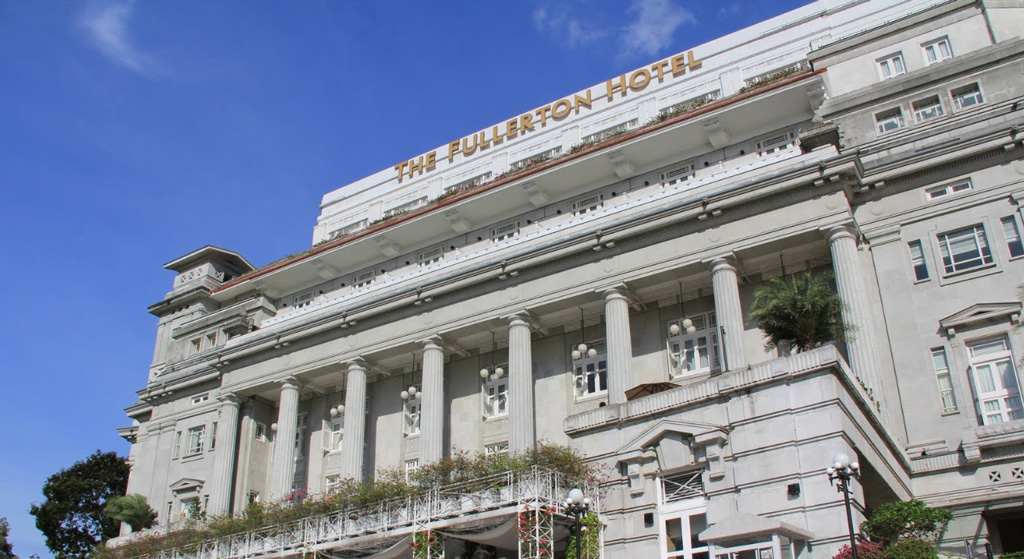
(522,428)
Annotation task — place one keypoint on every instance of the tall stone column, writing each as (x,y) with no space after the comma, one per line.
(432,417)
(728,311)
(521,431)
(355,422)
(224,456)
(282,468)
(619,342)
(856,311)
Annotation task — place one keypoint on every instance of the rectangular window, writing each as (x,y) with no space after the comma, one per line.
(429,257)
(506,231)
(926,109)
(681,534)
(964,249)
(1012,235)
(177,445)
(412,417)
(945,381)
(302,300)
(194,440)
(195,346)
(591,370)
(891,66)
(887,121)
(411,466)
(948,189)
(301,425)
(917,260)
(362,280)
(196,400)
(211,340)
(937,51)
(406,207)
(254,497)
(337,429)
(967,96)
(213,436)
(679,174)
(333,483)
(496,397)
(995,382)
(694,349)
(776,143)
(588,204)
(261,432)
(496,448)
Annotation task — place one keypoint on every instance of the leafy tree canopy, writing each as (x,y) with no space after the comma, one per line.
(6,549)
(906,520)
(133,510)
(71,516)
(804,312)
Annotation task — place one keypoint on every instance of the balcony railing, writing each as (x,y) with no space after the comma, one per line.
(395,519)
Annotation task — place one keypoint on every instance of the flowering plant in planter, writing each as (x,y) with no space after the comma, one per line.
(427,544)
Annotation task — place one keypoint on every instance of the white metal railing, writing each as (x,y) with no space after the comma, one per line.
(506,490)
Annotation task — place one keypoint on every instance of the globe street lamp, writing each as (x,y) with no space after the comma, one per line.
(578,506)
(842,470)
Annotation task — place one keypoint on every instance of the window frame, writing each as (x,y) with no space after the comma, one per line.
(260,432)
(984,259)
(920,110)
(587,204)
(412,410)
(959,94)
(712,346)
(492,390)
(581,376)
(195,440)
(1015,241)
(943,374)
(948,189)
(504,231)
(897,63)
(918,262)
(893,115)
(411,467)
(432,256)
(938,54)
(992,359)
(335,433)
(200,398)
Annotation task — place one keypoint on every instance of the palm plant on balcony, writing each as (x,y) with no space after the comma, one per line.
(803,313)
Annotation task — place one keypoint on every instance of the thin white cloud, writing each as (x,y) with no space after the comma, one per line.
(106,27)
(652,30)
(573,32)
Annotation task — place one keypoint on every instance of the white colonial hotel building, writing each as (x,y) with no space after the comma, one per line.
(877,139)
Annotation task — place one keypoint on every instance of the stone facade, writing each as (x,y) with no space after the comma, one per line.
(877,140)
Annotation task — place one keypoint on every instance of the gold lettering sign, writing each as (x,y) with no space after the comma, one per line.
(522,125)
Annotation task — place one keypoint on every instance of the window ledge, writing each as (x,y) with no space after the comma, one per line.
(592,397)
(490,418)
(950,412)
(975,272)
(192,457)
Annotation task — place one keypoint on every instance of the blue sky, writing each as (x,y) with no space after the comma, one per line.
(134,132)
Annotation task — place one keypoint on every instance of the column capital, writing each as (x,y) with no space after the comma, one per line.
(290,381)
(357,364)
(618,292)
(230,399)
(845,230)
(722,262)
(432,342)
(521,318)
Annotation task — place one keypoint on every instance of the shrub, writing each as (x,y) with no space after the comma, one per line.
(865,550)
(133,510)
(906,520)
(804,312)
(1013,555)
(911,549)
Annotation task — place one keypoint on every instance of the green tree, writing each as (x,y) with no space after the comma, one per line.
(133,510)
(906,520)
(6,549)
(71,516)
(804,312)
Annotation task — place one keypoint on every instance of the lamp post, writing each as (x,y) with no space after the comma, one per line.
(842,470)
(577,505)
